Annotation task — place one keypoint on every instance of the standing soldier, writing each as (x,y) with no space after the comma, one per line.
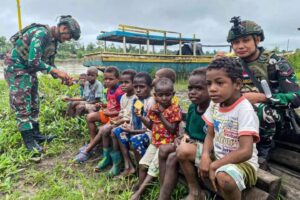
(34,49)
(258,65)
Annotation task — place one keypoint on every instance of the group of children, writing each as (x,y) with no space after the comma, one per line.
(218,143)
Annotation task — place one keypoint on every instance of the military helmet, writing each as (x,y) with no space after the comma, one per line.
(73,25)
(244,28)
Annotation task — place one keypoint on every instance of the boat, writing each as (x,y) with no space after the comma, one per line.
(188,57)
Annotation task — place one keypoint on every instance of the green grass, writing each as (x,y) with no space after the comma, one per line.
(56,176)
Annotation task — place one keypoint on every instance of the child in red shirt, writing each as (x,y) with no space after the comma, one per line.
(106,113)
(163,119)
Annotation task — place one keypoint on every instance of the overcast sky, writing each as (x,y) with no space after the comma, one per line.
(208,19)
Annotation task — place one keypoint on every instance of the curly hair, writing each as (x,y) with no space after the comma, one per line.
(200,71)
(129,72)
(231,66)
(112,69)
(164,82)
(167,73)
(145,76)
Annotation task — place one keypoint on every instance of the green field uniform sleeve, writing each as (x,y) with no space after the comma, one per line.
(289,90)
(36,50)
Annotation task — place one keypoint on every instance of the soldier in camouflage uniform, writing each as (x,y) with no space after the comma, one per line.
(245,37)
(34,50)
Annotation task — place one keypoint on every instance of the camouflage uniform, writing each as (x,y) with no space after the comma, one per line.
(34,52)
(286,93)
(281,79)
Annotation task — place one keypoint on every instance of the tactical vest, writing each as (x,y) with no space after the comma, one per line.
(263,69)
(23,50)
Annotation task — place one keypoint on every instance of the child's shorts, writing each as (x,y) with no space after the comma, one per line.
(150,159)
(243,174)
(103,118)
(138,142)
(198,153)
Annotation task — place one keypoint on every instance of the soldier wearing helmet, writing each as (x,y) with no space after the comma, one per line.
(34,50)
(245,37)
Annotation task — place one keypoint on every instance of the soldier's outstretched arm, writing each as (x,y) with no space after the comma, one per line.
(66,79)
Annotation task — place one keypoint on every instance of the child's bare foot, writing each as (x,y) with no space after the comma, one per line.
(127,172)
(135,187)
(135,196)
(195,196)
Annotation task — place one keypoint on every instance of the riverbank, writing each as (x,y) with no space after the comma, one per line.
(70,66)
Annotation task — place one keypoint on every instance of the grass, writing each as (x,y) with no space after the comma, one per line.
(56,176)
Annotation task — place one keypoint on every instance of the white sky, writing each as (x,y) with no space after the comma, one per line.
(208,19)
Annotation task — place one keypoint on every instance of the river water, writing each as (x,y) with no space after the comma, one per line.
(74,67)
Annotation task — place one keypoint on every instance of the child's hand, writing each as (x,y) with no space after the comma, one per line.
(204,165)
(138,112)
(212,176)
(185,138)
(99,105)
(157,112)
(69,81)
(66,99)
(177,142)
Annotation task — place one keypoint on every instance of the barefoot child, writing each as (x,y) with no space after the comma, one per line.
(107,111)
(185,150)
(136,134)
(233,130)
(92,93)
(163,119)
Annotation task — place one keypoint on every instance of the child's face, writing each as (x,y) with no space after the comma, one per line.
(126,83)
(110,80)
(220,87)
(91,77)
(82,80)
(141,89)
(197,90)
(163,95)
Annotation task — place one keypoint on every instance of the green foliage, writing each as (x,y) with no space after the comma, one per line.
(294,59)
(56,176)
(4,44)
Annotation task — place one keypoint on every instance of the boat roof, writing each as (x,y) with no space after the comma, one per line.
(141,38)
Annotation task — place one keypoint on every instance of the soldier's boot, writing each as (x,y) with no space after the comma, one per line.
(30,142)
(39,137)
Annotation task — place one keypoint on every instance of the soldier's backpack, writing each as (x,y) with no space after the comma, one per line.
(24,50)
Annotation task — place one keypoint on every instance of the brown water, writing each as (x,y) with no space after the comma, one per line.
(70,66)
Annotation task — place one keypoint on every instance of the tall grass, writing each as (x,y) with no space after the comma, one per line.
(56,176)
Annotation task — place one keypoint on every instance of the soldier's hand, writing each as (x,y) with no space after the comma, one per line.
(255,97)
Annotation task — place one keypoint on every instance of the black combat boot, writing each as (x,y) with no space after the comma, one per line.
(30,142)
(39,137)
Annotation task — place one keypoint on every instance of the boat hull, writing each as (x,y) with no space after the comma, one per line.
(148,63)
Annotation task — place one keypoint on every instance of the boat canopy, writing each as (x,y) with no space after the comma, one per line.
(141,38)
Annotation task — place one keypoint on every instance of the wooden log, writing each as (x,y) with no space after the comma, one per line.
(290,186)
(286,157)
(268,182)
(255,193)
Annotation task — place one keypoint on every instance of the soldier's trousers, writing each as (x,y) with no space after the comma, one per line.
(268,119)
(23,97)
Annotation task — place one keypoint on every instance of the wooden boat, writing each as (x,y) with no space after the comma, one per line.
(149,61)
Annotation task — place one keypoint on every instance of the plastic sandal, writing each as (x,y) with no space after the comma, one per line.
(82,157)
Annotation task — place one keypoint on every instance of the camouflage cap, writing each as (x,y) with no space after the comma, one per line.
(72,24)
(244,28)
